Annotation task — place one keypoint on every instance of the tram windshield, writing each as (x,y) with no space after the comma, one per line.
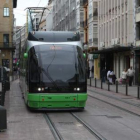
(63,65)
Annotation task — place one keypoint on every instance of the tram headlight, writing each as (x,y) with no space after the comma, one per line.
(78,89)
(39,89)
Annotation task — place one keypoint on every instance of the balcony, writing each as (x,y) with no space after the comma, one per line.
(7,45)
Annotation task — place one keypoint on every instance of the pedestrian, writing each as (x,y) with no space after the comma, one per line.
(88,72)
(130,74)
(112,77)
(103,74)
(92,72)
(109,78)
(124,76)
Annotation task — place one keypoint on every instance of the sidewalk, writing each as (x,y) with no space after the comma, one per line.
(21,123)
(132,91)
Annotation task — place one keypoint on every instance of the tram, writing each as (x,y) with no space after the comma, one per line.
(52,71)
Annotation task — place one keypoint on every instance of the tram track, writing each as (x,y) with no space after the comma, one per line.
(53,129)
(93,132)
(57,134)
(123,109)
(136,105)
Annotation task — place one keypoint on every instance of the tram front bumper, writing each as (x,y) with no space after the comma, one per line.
(57,101)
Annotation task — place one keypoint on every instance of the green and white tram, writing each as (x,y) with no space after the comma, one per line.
(52,71)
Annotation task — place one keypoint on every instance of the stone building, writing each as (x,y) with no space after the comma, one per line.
(6,32)
(116,34)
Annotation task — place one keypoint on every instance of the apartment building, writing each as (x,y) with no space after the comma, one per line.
(137,43)
(16,39)
(68,15)
(91,34)
(49,16)
(7,46)
(116,28)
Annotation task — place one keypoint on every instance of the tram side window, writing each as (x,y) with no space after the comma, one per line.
(27,73)
(34,72)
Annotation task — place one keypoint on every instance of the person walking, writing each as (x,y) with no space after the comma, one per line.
(130,74)
(110,74)
(124,76)
(103,74)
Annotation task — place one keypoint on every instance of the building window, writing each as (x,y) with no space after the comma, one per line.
(6,12)
(6,40)
(95,10)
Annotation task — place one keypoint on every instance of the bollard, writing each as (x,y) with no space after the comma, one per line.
(3,94)
(3,119)
(138,92)
(95,82)
(101,84)
(126,89)
(90,81)
(0,93)
(108,86)
(0,98)
(116,86)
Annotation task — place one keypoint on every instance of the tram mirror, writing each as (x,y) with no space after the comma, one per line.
(25,55)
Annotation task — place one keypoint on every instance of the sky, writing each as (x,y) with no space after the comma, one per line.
(20,13)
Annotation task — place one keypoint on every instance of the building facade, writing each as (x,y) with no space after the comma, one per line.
(68,15)
(49,16)
(6,33)
(93,37)
(137,43)
(116,28)
(16,39)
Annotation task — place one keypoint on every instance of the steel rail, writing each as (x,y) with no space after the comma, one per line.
(91,130)
(99,93)
(123,109)
(53,129)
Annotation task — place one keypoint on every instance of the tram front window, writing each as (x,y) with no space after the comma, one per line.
(61,64)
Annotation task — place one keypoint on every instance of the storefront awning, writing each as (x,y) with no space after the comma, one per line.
(112,50)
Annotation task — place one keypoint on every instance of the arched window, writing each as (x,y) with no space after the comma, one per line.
(6,12)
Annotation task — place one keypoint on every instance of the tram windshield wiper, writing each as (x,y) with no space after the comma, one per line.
(49,77)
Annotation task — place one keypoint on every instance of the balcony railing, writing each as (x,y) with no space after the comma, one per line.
(7,45)
(138,10)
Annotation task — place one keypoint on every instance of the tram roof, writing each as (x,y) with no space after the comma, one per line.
(53,36)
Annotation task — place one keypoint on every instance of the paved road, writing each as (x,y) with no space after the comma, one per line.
(133,90)
(22,124)
(107,120)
